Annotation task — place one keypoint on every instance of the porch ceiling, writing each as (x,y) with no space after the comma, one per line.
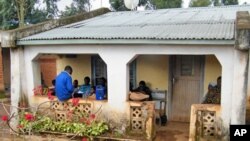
(209,23)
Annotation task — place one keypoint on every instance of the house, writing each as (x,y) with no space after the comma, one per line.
(178,50)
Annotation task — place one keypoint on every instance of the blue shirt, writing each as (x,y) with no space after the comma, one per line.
(85,89)
(64,87)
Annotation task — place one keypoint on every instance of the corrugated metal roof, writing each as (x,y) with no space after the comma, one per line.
(209,23)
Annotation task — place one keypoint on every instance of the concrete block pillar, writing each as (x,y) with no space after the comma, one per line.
(226,85)
(241,60)
(118,74)
(239,94)
(17,80)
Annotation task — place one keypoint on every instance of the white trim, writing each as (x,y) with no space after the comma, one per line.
(124,42)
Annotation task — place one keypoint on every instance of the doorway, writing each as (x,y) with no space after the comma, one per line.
(186,85)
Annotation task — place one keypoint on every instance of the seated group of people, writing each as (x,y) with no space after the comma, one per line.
(64,89)
(213,95)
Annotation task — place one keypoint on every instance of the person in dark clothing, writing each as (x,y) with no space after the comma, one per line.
(64,88)
(213,95)
(75,84)
(143,89)
(101,88)
(52,88)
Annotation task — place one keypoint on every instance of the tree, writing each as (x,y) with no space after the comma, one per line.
(36,15)
(199,3)
(14,12)
(161,4)
(51,8)
(77,6)
(216,2)
(22,8)
(8,14)
(17,13)
(230,2)
(82,5)
(118,5)
(69,11)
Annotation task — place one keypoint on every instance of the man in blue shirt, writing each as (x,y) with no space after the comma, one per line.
(64,87)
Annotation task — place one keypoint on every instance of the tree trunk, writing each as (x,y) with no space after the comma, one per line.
(20,5)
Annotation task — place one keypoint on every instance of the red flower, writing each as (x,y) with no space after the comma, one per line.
(83,119)
(75,101)
(50,97)
(19,126)
(29,117)
(88,122)
(4,118)
(84,139)
(92,116)
(38,90)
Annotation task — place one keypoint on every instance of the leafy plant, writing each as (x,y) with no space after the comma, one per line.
(39,120)
(47,124)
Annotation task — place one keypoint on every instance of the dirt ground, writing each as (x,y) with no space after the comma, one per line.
(173,131)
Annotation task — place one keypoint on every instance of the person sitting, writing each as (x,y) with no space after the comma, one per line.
(104,84)
(213,95)
(143,89)
(86,88)
(101,89)
(52,88)
(64,88)
(75,84)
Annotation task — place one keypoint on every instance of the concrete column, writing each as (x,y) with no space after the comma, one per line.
(239,94)
(32,70)
(15,76)
(248,83)
(226,85)
(240,89)
(18,89)
(117,68)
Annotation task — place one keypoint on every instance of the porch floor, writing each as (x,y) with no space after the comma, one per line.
(173,131)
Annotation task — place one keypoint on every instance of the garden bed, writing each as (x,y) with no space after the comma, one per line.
(104,137)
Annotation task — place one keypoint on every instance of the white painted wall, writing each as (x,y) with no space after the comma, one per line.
(117,57)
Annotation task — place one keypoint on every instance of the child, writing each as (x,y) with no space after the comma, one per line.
(86,89)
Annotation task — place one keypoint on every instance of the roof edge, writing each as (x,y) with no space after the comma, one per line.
(9,37)
(125,42)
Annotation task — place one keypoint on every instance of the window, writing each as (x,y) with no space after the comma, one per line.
(132,75)
(99,68)
(187,65)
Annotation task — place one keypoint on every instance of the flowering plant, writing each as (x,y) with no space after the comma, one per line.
(35,120)
(4,118)
(39,90)
(87,128)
